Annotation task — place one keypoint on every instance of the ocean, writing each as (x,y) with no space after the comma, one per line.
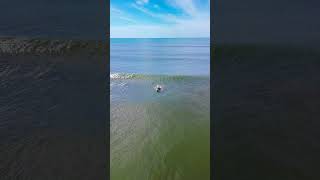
(52,110)
(162,135)
(53,101)
(46,19)
(161,56)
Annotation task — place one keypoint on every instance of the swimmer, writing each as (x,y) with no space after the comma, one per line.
(158,88)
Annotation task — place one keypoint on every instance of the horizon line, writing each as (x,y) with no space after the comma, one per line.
(159,37)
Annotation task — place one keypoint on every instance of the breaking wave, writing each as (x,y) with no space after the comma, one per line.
(119,76)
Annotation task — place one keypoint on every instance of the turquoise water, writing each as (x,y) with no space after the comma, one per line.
(160,136)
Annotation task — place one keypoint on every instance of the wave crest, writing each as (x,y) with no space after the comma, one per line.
(122,76)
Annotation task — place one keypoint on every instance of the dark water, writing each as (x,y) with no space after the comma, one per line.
(52,116)
(60,19)
(53,113)
(160,135)
(266,117)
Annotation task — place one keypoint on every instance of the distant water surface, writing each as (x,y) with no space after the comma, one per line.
(59,19)
(181,56)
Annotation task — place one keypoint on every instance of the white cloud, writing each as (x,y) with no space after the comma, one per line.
(164,17)
(142,2)
(185,28)
(188,6)
(119,14)
(114,10)
(144,10)
(195,23)
(127,19)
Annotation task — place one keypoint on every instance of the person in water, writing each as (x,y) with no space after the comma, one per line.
(158,88)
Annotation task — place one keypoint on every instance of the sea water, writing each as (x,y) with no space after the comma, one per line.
(162,135)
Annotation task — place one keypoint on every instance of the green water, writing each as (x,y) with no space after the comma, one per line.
(160,136)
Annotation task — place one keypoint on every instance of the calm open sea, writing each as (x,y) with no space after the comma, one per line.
(190,56)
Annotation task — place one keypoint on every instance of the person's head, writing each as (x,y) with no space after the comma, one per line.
(158,88)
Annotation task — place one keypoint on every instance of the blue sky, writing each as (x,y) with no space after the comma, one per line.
(159,18)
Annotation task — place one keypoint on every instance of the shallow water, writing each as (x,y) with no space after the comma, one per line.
(160,135)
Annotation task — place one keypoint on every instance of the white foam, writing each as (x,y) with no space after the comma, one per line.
(121,76)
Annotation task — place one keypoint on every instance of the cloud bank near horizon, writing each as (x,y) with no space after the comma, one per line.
(159,18)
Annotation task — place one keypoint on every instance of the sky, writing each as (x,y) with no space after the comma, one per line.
(159,18)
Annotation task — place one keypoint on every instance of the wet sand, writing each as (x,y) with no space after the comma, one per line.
(265,111)
(53,110)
